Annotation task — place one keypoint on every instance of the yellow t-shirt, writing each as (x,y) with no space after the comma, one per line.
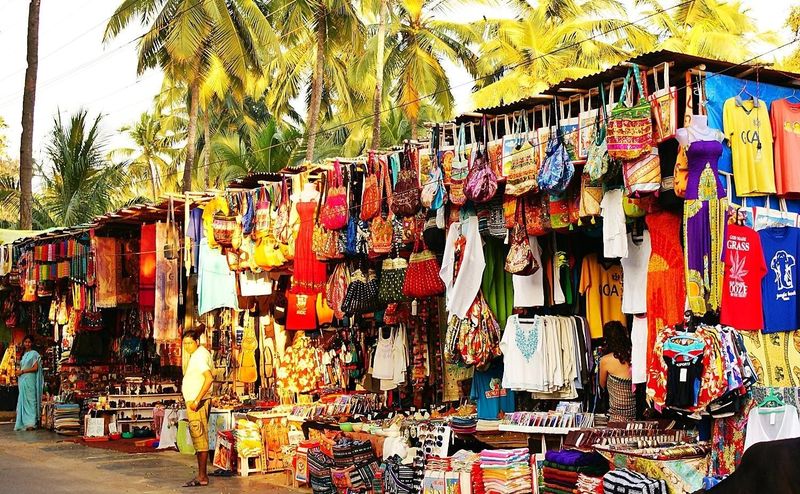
(746,126)
(602,286)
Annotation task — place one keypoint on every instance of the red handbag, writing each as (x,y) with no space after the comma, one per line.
(371,195)
(422,276)
(334,211)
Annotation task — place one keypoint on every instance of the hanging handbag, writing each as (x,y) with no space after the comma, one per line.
(262,214)
(569,127)
(324,311)
(510,205)
(382,229)
(481,180)
(587,129)
(681,173)
(478,334)
(559,211)
(371,190)
(635,207)
(597,154)
(460,169)
(362,293)
(393,275)
(664,101)
(522,170)
(433,192)
(537,214)
(405,198)
(630,128)
(224,226)
(493,150)
(557,168)
(336,289)
(433,232)
(335,209)
(591,196)
(446,155)
(422,276)
(642,176)
(520,259)
(491,218)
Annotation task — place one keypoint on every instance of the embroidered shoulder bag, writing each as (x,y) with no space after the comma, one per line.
(630,128)
(405,198)
(334,213)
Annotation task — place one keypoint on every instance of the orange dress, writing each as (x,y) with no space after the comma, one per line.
(666,283)
(310,274)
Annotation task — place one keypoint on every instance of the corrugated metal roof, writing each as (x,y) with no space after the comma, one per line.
(681,62)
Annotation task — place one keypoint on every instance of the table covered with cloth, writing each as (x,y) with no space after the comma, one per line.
(682,474)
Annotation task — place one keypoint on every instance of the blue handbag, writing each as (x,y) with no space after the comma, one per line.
(557,169)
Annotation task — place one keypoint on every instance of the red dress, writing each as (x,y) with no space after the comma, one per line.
(310,274)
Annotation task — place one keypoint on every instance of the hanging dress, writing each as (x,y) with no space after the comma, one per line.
(704,218)
(310,274)
(666,289)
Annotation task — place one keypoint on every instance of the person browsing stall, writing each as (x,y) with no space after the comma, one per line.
(615,372)
(197,381)
(30,380)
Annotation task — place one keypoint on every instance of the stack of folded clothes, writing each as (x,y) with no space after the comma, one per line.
(319,472)
(67,419)
(466,464)
(626,481)
(589,485)
(463,425)
(563,468)
(487,425)
(506,471)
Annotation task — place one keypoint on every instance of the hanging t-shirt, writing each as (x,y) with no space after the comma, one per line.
(488,392)
(634,267)
(785,118)
(216,283)
(529,290)
(525,353)
(639,349)
(601,283)
(748,129)
(615,243)
(765,427)
(779,292)
(744,270)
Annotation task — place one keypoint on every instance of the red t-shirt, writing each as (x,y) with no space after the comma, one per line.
(744,268)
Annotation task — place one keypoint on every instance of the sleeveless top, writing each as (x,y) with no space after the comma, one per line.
(621,401)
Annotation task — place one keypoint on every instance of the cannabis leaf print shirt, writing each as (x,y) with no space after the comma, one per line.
(744,270)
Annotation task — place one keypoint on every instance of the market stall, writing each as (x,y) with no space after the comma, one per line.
(440,314)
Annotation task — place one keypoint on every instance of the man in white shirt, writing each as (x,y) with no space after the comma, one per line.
(197,380)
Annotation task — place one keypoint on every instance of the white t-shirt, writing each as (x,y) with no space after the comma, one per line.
(193,377)
(639,350)
(615,242)
(524,354)
(634,270)
(764,427)
(529,290)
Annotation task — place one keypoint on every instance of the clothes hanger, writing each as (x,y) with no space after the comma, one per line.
(793,95)
(772,403)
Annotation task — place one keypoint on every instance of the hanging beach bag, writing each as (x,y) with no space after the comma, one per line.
(630,128)
(537,214)
(559,211)
(643,175)
(393,275)
(664,101)
(481,181)
(597,154)
(590,198)
(382,229)
(422,276)
(557,169)
(543,133)
(224,226)
(446,155)
(433,192)
(520,259)
(494,148)
(263,216)
(588,119)
(460,168)
(336,289)
(569,127)
(522,170)
(334,211)
(405,198)
(371,190)
(362,293)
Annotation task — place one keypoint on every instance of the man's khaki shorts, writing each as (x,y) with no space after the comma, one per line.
(198,425)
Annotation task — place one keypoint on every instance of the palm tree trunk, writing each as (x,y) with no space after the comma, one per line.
(191,138)
(413,122)
(312,125)
(204,174)
(378,97)
(28,103)
(153,178)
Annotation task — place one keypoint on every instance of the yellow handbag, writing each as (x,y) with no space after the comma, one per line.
(324,311)
(267,254)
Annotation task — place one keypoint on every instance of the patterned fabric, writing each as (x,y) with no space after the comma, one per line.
(681,475)
(298,371)
(727,439)
(775,357)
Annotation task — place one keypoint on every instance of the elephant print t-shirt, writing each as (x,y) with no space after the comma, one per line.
(779,286)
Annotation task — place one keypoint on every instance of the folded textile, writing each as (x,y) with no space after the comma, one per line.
(595,470)
(550,472)
(552,490)
(575,458)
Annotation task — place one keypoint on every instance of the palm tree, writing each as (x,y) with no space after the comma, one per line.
(420,44)
(79,183)
(191,40)
(321,39)
(28,103)
(553,41)
(718,29)
(153,151)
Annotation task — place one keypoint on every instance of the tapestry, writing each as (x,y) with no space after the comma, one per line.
(106,257)
(147,268)
(165,325)
(775,356)
(128,270)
